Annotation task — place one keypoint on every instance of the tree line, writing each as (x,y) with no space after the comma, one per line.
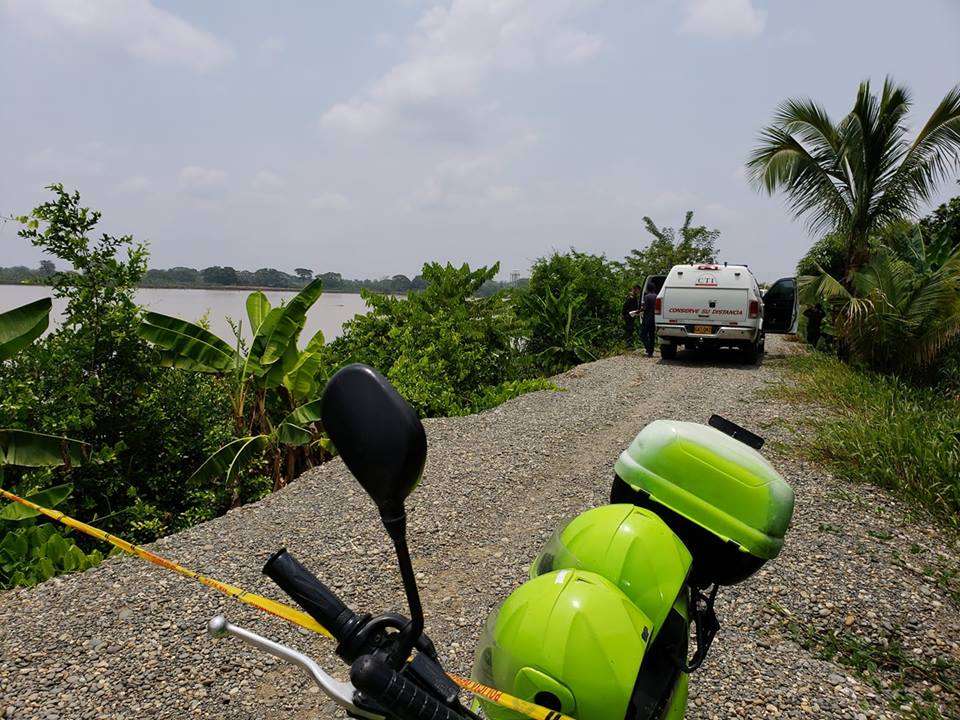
(225,276)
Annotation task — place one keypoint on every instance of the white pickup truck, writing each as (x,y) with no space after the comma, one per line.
(721,306)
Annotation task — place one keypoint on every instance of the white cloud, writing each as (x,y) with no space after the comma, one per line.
(135,27)
(673,201)
(329,201)
(201,180)
(503,193)
(465,181)
(267,181)
(133,185)
(454,50)
(85,159)
(723,18)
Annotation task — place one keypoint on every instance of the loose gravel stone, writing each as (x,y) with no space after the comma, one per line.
(127,640)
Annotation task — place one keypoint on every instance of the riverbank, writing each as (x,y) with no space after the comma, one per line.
(127,640)
(227,288)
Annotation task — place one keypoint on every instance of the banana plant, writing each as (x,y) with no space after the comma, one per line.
(274,372)
(18,329)
(22,325)
(293,432)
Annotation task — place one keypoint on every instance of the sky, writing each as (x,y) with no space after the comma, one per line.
(367,137)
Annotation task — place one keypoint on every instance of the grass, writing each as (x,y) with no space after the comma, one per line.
(883,663)
(881,430)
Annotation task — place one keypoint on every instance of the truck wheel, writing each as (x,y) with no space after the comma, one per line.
(668,351)
(753,353)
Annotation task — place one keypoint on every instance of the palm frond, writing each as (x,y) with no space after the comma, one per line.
(814,185)
(814,288)
(930,159)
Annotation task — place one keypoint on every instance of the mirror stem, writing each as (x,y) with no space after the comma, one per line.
(396,526)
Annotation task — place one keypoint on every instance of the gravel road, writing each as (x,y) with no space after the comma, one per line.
(127,640)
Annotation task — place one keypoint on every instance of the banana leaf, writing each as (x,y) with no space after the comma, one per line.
(289,324)
(294,429)
(30,449)
(231,458)
(262,335)
(170,359)
(22,325)
(273,375)
(49,498)
(302,381)
(205,351)
(258,307)
(305,414)
(290,434)
(316,342)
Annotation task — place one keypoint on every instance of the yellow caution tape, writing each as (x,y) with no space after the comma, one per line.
(277,609)
(273,607)
(537,712)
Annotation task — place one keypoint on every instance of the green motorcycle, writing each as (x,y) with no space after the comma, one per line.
(619,608)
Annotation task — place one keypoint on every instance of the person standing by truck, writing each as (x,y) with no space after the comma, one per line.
(631,309)
(815,315)
(648,328)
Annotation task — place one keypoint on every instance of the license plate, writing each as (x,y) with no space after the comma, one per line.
(703,329)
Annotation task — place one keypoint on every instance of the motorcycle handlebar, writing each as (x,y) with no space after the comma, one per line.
(389,689)
(319,601)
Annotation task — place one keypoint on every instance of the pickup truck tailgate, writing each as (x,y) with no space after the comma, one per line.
(708,306)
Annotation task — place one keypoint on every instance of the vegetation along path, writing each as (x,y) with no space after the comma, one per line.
(854,620)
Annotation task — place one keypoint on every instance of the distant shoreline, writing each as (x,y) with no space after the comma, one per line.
(251,288)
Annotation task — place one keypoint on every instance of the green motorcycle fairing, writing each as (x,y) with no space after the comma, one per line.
(629,546)
(570,640)
(712,480)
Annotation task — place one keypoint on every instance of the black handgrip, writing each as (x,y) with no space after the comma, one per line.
(403,699)
(302,586)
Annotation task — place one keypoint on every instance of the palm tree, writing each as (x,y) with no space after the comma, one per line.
(902,307)
(857,175)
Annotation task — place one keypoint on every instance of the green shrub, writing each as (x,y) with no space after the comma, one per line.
(571,310)
(36,553)
(442,348)
(882,430)
(95,380)
(497,395)
(31,553)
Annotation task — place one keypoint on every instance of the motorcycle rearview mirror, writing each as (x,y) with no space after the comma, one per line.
(383,444)
(377,433)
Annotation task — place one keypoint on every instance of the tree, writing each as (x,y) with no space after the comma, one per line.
(696,243)
(943,224)
(861,173)
(304,273)
(578,292)
(903,305)
(217,275)
(400,284)
(275,376)
(272,278)
(94,379)
(47,268)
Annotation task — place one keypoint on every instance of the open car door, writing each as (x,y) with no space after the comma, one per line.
(780,308)
(654,283)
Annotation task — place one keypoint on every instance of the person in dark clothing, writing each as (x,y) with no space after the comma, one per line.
(631,309)
(648,330)
(815,315)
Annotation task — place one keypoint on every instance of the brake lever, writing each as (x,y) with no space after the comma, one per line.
(342,693)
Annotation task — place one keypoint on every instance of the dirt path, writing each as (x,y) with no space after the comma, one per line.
(127,641)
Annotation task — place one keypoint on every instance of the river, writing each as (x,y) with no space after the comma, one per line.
(329,313)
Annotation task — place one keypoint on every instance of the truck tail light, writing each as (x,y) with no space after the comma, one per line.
(754,308)
(658,307)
